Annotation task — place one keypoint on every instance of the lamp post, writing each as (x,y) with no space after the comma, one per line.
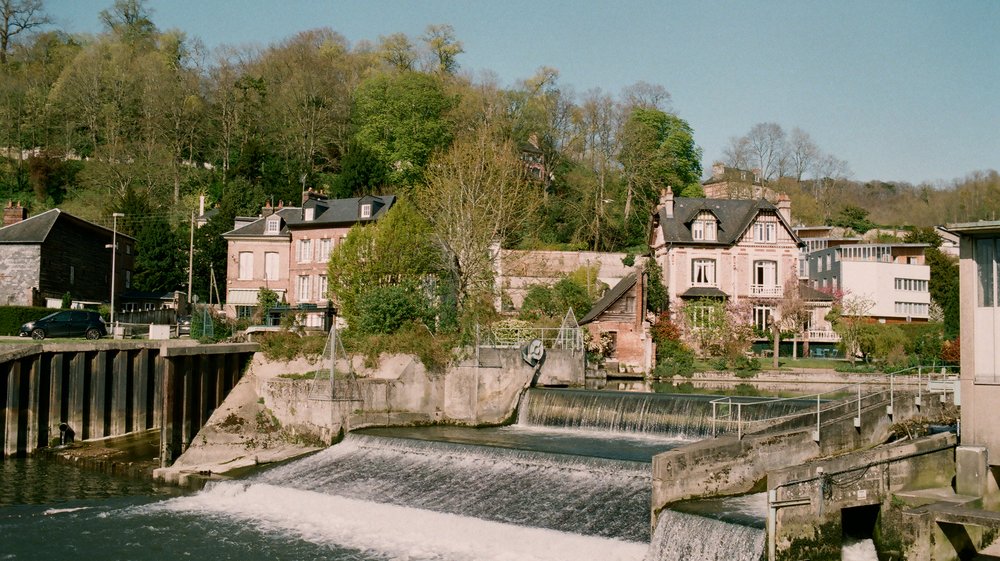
(114,271)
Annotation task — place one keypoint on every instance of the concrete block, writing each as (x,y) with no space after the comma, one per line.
(971,464)
(159,332)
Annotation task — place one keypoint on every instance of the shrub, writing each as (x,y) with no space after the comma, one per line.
(673,358)
(433,350)
(12,317)
(384,309)
(285,345)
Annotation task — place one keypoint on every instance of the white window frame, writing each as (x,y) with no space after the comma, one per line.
(303,286)
(366,210)
(272,226)
(305,251)
(324,248)
(322,285)
(765,232)
(703,272)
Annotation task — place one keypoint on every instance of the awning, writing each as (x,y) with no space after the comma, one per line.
(247,297)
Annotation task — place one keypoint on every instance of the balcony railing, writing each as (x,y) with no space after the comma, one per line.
(823,336)
(767,290)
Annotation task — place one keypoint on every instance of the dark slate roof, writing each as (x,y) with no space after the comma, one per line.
(36,229)
(328,213)
(704,292)
(735,216)
(610,297)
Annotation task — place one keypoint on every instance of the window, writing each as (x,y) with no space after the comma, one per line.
(273,225)
(246,265)
(699,316)
(128,278)
(910,309)
(366,210)
(245,312)
(128,249)
(765,278)
(629,304)
(762,317)
(310,214)
(305,251)
(271,265)
(911,285)
(303,293)
(703,272)
(986,269)
(764,232)
(72,274)
(321,287)
(704,227)
(325,247)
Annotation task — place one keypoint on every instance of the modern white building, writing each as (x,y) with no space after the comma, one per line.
(893,277)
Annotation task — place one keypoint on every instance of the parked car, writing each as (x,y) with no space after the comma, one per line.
(183,325)
(67,323)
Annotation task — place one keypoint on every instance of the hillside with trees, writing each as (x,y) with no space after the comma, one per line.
(144,121)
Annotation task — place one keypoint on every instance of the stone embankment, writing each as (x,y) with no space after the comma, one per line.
(280,410)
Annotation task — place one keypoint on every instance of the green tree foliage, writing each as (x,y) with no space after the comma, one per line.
(853,217)
(210,248)
(673,357)
(402,118)
(267,299)
(161,256)
(944,288)
(657,298)
(396,251)
(385,309)
(552,302)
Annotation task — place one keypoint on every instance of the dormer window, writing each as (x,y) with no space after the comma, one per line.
(704,228)
(273,226)
(366,210)
(310,214)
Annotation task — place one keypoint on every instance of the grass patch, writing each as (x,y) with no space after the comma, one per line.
(434,351)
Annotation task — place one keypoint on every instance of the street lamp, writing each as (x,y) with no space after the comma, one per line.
(114,255)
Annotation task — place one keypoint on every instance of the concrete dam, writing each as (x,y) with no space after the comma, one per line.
(55,393)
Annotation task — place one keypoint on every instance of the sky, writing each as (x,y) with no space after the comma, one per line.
(900,90)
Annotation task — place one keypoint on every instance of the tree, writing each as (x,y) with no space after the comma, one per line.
(444,48)
(16,17)
(398,250)
(853,217)
(944,288)
(792,312)
(802,153)
(849,318)
(402,118)
(397,51)
(161,256)
(130,20)
(474,195)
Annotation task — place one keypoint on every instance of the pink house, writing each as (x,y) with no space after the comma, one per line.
(287,249)
(737,249)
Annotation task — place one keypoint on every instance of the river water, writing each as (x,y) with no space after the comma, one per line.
(551,487)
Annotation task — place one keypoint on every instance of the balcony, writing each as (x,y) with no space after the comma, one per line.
(823,336)
(766,290)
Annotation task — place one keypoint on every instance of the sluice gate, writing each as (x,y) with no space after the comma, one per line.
(57,393)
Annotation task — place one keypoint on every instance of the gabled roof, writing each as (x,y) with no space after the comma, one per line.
(735,216)
(610,297)
(328,213)
(36,229)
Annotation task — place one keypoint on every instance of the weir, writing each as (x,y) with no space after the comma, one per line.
(56,393)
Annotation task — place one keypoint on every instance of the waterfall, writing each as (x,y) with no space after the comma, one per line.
(859,550)
(688,537)
(583,495)
(672,415)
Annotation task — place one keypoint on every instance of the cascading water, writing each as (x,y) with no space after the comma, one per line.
(688,537)
(679,416)
(859,550)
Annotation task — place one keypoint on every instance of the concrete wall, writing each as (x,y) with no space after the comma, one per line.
(729,465)
(807,501)
(518,270)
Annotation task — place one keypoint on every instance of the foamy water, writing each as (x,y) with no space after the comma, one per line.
(861,550)
(398,532)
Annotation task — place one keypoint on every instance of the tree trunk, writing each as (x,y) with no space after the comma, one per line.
(777,345)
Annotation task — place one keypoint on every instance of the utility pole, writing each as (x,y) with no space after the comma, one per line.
(114,270)
(191,258)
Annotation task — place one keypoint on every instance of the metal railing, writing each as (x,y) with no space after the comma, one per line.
(510,338)
(728,412)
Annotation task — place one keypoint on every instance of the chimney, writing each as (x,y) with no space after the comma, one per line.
(667,201)
(718,170)
(306,195)
(785,207)
(268,210)
(201,205)
(13,214)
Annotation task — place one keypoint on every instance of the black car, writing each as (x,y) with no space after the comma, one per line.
(66,323)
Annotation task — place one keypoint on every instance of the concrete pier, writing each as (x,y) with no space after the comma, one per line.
(97,390)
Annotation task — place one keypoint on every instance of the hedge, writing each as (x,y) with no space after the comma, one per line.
(12,317)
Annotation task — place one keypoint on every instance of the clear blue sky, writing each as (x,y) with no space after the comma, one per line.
(901,90)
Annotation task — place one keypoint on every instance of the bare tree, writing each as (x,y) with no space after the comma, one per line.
(647,96)
(440,39)
(737,153)
(16,17)
(398,51)
(767,148)
(802,153)
(475,195)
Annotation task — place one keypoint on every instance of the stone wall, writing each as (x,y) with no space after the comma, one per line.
(518,270)
(21,264)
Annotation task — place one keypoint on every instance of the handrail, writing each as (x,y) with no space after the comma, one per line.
(888,379)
